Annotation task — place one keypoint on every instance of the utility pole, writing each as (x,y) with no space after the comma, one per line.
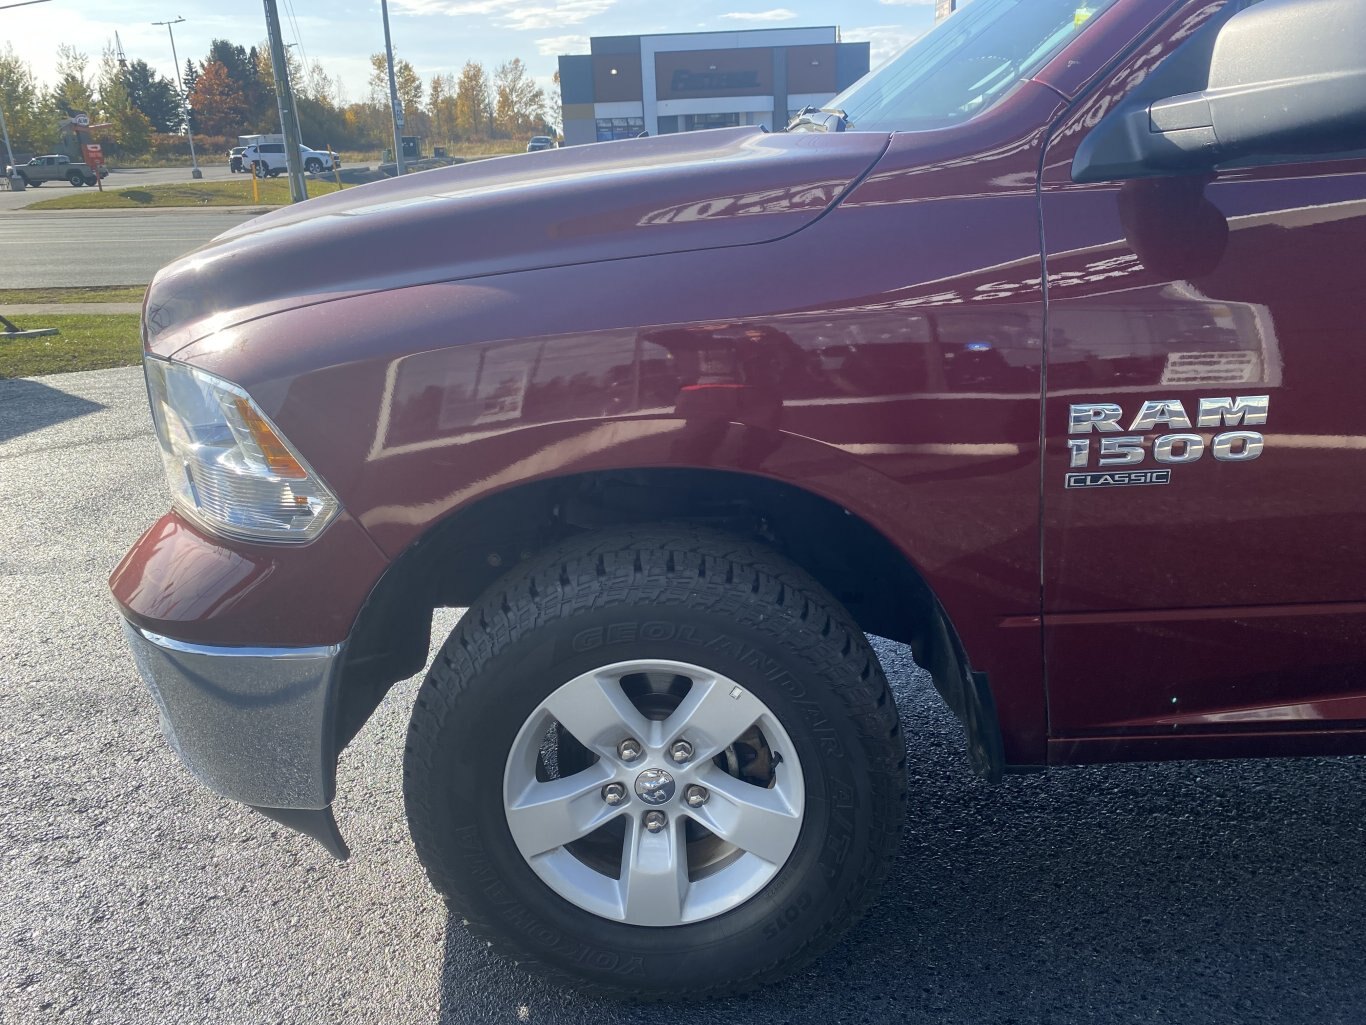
(298,191)
(184,99)
(393,93)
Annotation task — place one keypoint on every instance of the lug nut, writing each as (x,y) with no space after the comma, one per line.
(655,821)
(614,793)
(628,750)
(681,751)
(696,796)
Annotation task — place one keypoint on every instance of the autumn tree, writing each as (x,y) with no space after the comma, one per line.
(409,86)
(441,107)
(318,85)
(219,105)
(519,103)
(472,108)
(23,103)
(554,105)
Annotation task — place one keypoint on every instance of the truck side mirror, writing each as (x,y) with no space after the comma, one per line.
(1286,78)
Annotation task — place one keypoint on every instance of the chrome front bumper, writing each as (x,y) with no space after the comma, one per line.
(254,724)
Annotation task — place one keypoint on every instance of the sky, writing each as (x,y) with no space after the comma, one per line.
(437,36)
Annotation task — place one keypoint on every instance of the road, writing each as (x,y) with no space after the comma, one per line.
(42,249)
(1219,893)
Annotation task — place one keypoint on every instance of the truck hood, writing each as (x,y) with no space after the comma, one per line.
(637,197)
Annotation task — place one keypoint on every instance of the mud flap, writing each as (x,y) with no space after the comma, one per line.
(968,695)
(315,822)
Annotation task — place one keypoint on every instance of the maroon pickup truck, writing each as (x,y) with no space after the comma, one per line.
(1035,350)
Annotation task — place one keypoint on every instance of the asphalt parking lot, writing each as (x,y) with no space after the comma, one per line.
(1220,893)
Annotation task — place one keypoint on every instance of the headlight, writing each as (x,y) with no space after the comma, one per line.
(228,467)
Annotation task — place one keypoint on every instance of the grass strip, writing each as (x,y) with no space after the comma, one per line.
(271,192)
(86,294)
(85,342)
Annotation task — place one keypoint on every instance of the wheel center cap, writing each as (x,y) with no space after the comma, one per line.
(654,786)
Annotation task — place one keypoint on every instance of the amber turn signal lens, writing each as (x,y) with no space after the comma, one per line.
(277,455)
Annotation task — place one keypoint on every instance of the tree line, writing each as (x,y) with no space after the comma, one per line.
(231,92)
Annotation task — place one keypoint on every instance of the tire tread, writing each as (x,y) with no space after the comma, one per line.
(665,566)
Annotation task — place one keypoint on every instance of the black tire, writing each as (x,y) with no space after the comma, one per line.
(76,179)
(711,600)
(313,166)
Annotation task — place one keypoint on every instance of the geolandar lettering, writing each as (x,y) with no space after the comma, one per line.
(1180,446)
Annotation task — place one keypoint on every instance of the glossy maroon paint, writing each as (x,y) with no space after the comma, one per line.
(862,316)
(1229,601)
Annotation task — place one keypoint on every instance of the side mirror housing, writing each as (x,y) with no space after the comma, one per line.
(1286,78)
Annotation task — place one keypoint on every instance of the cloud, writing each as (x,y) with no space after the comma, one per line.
(777,14)
(553,46)
(887,40)
(514,14)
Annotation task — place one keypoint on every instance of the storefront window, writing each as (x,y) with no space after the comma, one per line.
(610,128)
(696,122)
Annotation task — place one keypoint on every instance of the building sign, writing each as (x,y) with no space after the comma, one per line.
(685,81)
(691,74)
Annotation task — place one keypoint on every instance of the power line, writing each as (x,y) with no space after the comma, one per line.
(298,36)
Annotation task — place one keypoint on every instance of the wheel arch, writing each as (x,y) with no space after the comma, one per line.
(467,552)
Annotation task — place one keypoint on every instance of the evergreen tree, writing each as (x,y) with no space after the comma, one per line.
(154,95)
(129,128)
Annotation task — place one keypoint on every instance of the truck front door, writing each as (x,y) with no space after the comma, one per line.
(1205,452)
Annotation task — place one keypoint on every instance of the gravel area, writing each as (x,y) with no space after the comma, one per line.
(1220,893)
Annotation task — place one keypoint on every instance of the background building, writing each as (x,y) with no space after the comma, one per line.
(685,81)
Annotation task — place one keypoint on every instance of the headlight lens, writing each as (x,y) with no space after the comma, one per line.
(227,465)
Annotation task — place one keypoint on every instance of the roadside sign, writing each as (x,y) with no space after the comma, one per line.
(93,154)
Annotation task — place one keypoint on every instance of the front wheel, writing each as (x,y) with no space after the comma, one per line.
(313,166)
(659,763)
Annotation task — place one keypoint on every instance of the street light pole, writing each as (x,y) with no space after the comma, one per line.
(184,100)
(393,93)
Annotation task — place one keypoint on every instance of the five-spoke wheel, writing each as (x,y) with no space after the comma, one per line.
(654,793)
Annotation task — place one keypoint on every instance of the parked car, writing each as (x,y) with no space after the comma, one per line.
(235,159)
(539,142)
(267,159)
(1036,349)
(55,167)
